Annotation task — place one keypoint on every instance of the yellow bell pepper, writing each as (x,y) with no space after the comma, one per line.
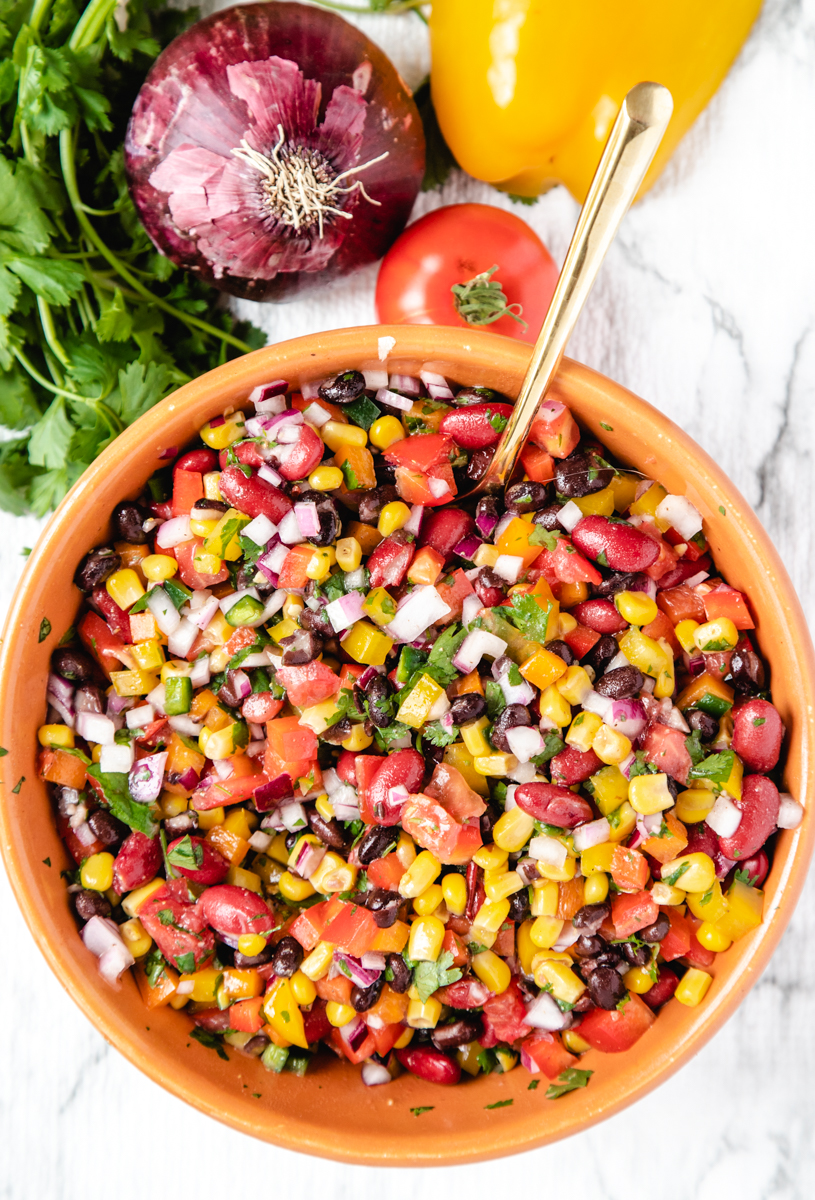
(526,94)
(282,1013)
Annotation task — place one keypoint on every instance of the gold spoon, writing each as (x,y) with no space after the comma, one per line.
(632,144)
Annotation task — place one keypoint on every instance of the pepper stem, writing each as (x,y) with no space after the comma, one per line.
(481,300)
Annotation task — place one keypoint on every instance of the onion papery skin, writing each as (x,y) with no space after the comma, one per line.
(188,104)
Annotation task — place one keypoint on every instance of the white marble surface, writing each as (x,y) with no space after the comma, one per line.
(707,308)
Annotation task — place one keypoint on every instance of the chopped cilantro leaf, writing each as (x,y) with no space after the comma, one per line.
(499,1104)
(205,1038)
(568,1081)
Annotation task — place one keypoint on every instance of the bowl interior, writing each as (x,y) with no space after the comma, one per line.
(330,1112)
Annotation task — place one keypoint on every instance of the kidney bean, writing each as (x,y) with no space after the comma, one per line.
(213,867)
(657,931)
(620,684)
(402,977)
(376,842)
(684,569)
(301,647)
(304,457)
(364,998)
(464,1029)
(526,497)
(606,987)
(665,986)
(759,808)
(405,767)
(602,652)
(703,723)
(96,567)
(581,474)
(74,665)
(89,904)
(343,388)
(201,460)
(245,452)
(552,804)
(136,863)
(476,426)
(389,563)
(107,828)
(253,495)
(430,1065)
(444,528)
(514,716)
(287,957)
(128,521)
(746,670)
(590,917)
(757,734)
(232,911)
(468,707)
(373,500)
(589,945)
(256,1045)
(625,547)
(548,518)
(600,615)
(327,831)
(519,905)
(478,463)
(489,587)
(574,766)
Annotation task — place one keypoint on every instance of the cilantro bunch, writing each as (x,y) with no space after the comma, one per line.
(95,325)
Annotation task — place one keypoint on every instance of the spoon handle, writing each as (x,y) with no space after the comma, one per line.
(632,144)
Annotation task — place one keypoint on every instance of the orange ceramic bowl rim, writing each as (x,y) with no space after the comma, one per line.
(330,1112)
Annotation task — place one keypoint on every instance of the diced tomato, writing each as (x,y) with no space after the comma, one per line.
(664,564)
(387,1037)
(537,463)
(108,650)
(188,932)
(555,429)
(565,564)
(349,926)
(468,842)
(454,593)
(615,1030)
(432,826)
(504,1017)
(454,793)
(117,619)
(291,740)
(346,766)
(662,627)
(184,553)
(260,708)
(386,872)
(349,674)
(677,940)
(414,488)
(466,993)
(725,601)
(504,944)
(681,604)
(188,486)
(454,944)
(420,452)
(245,1016)
(367,1048)
(629,870)
(698,955)
(389,563)
(293,572)
(548,1053)
(237,787)
(581,640)
(632,911)
(316,1024)
(665,748)
(78,850)
(307,927)
(308,684)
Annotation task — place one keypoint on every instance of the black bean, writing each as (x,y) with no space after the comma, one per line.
(256,1045)
(706,726)
(609,958)
(657,931)
(433,755)
(328,514)
(376,842)
(602,653)
(343,388)
(620,684)
(378,693)
(589,945)
(519,905)
(90,904)
(338,732)
(372,502)
(489,820)
(209,509)
(526,497)
(96,567)
(468,707)
(489,587)
(467,1028)
(287,957)
(562,650)
(620,582)
(128,521)
(301,647)
(580,474)
(514,716)
(606,987)
(246,576)
(316,621)
(385,471)
(638,956)
(255,960)
(75,665)
(385,917)
(107,828)
(548,518)
(583,1003)
(291,839)
(364,998)
(590,917)
(477,395)
(401,975)
(229,692)
(327,831)
(747,671)
(183,823)
(478,462)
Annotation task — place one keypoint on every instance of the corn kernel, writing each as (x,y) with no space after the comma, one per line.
(491,858)
(582,731)
(486,555)
(693,987)
(96,872)
(337,434)
(595,888)
(292,607)
(664,893)
(492,971)
(684,635)
(622,822)
(404,1040)
(545,898)
(513,830)
(357,740)
(575,685)
(708,906)
(567,624)
(636,607)
(158,567)
(429,901)
(339,1014)
(426,938)
(212,817)
(405,850)
(293,888)
(713,938)
(610,745)
(474,737)
(56,735)
(205,563)
(545,932)
(495,765)
(303,989)
(566,986)
(251,944)
(491,915)
(212,489)
(324,807)
(333,874)
(720,634)
(135,937)
(454,891)
(320,563)
(124,587)
(315,966)
(218,437)
(424,1016)
(202,529)
(325,479)
(650,794)
(392,517)
(694,805)
(696,872)
(574,1042)
(638,980)
(349,553)
(500,885)
(385,432)
(556,707)
(559,874)
(467,1058)
(132,903)
(420,874)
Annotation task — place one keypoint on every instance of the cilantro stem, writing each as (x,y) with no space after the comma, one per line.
(389,8)
(38,12)
(91,23)
(67,160)
(43,382)
(50,332)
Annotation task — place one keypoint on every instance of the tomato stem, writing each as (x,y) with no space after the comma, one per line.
(481,300)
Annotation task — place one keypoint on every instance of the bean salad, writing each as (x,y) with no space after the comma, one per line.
(343,764)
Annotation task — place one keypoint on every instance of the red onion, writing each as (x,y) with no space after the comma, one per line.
(790,812)
(146,777)
(308,518)
(421,609)
(394,400)
(265,391)
(414,523)
(273,147)
(354,970)
(524,742)
(189,779)
(365,678)
(345,610)
(627,717)
(474,647)
(270,475)
(309,859)
(354,1033)
(405,383)
(486,522)
(593,833)
(317,415)
(60,696)
(102,938)
(268,795)
(94,727)
(468,546)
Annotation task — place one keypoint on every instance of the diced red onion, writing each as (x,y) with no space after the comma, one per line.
(394,400)
(648,684)
(147,777)
(447,721)
(437,386)
(674,719)
(569,515)
(695,580)
(272,561)
(166,615)
(344,801)
(158,698)
(725,817)
(422,608)
(470,609)
(627,717)
(681,514)
(475,646)
(375,378)
(181,640)
(439,708)
(137,718)
(289,530)
(509,567)
(548,850)
(374,960)
(627,763)
(309,858)
(173,532)
(217,422)
(84,833)
(229,602)
(311,389)
(486,523)
(293,816)
(116,759)
(202,616)
(438,487)
(260,659)
(368,675)
(527,868)
(102,938)
(648,824)
(223,768)
(406,383)
(593,702)
(790,812)
(354,1033)
(593,833)
(200,674)
(272,821)
(543,1013)
(269,795)
(384,346)
(57,699)
(189,779)
(468,546)
(87,700)
(414,522)
(566,938)
(525,741)
(523,773)
(316,415)
(266,391)
(94,727)
(288,435)
(503,523)
(289,416)
(345,610)
(241,683)
(270,475)
(527,1060)
(260,531)
(516,693)
(353,969)
(260,841)
(308,518)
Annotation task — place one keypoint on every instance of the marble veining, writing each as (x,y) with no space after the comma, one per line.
(706,308)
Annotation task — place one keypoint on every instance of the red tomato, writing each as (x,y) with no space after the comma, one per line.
(431,826)
(117,619)
(629,870)
(725,601)
(613,1030)
(537,463)
(186,935)
(504,1017)
(466,993)
(245,1015)
(452,790)
(291,740)
(386,872)
(666,749)
(454,594)
(308,684)
(581,640)
(548,1053)
(676,942)
(632,911)
(421,452)
(454,244)
(349,926)
(184,553)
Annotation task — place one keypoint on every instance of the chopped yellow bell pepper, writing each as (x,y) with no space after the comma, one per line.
(282,1013)
(417,704)
(366,644)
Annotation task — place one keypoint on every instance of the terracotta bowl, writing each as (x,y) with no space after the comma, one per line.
(330,1112)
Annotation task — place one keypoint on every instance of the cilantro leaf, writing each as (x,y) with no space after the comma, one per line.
(187,854)
(544,537)
(428,977)
(552,745)
(532,620)
(439,664)
(154,966)
(113,785)
(716,767)
(205,1038)
(437,735)
(499,1104)
(695,748)
(640,766)
(568,1081)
